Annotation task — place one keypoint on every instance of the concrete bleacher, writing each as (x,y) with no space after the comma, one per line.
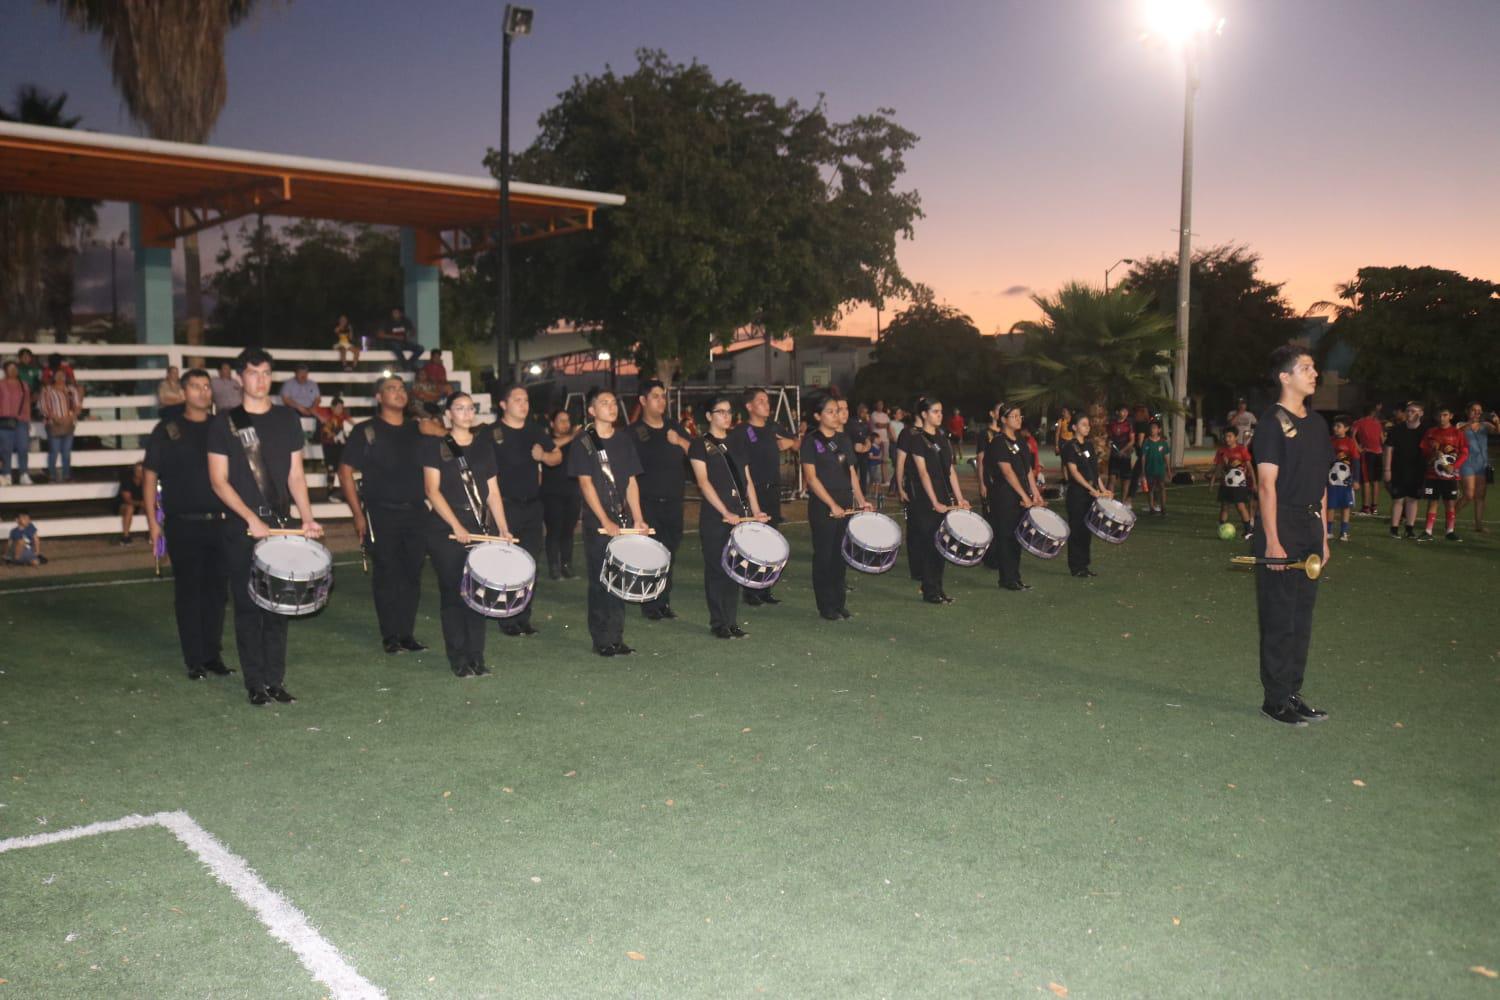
(119,410)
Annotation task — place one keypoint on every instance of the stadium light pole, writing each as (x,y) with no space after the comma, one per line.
(1122,260)
(517,21)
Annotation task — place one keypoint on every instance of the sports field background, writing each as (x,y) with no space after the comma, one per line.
(1015,795)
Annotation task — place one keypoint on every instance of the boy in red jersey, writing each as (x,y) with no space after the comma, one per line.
(1369,434)
(1121,450)
(1342,476)
(1444,450)
(1234,467)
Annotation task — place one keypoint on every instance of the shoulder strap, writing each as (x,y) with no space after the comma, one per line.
(244,429)
(455,452)
(719,448)
(610,496)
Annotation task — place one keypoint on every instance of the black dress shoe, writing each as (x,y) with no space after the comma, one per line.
(652,615)
(410,644)
(945,598)
(1285,714)
(605,650)
(479,670)
(932,600)
(1014,586)
(463,670)
(526,629)
(667,612)
(195,673)
(391,644)
(754,602)
(769,598)
(280,693)
(567,572)
(623,650)
(1305,710)
(844,613)
(737,632)
(217,667)
(259,697)
(720,632)
(831,616)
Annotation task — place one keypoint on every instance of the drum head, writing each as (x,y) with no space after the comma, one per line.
(968,527)
(761,543)
(875,531)
(502,565)
(640,552)
(1050,521)
(1117,511)
(294,558)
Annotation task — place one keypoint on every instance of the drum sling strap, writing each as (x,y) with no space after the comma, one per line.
(466,478)
(716,446)
(614,503)
(270,490)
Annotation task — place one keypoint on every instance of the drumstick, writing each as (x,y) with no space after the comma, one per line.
(632,531)
(486,538)
(281,532)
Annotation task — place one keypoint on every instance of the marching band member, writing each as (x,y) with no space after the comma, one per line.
(1081,472)
(1010,479)
(522,449)
(661,443)
(728,498)
(759,444)
(937,492)
(560,501)
(832,488)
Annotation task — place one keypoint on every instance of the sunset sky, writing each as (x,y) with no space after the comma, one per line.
(1331,133)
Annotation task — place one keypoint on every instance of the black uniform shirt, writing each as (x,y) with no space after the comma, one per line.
(1301,449)
(857,431)
(661,461)
(830,457)
(519,478)
(981,443)
(390,458)
(759,448)
(177,452)
(619,448)
(1081,454)
(555,479)
(716,461)
(1003,451)
(438,454)
(1405,443)
(906,441)
(280,432)
(937,452)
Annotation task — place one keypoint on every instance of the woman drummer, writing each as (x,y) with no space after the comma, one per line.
(1010,480)
(1081,472)
(461,488)
(832,490)
(728,499)
(936,494)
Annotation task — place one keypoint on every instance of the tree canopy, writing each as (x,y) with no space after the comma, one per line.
(930,348)
(741,210)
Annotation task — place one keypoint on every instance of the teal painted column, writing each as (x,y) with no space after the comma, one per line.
(421,292)
(153,287)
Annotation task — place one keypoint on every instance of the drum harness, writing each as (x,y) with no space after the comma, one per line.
(244,429)
(945,491)
(719,448)
(614,504)
(466,477)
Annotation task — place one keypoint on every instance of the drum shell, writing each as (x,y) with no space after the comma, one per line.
(865,555)
(635,584)
(285,591)
(1034,537)
(1105,526)
(476,590)
(748,570)
(958,550)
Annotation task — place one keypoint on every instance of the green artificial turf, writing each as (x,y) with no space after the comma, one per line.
(1068,789)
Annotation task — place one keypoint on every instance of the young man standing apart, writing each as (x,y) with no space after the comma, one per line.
(1403,468)
(1292,455)
(255,466)
(662,445)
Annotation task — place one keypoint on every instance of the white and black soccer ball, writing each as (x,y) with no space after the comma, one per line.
(1445,464)
(1234,478)
(1339,474)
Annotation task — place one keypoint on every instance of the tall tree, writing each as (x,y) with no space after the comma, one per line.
(933,348)
(1419,332)
(38,235)
(167,59)
(1237,318)
(741,210)
(1092,348)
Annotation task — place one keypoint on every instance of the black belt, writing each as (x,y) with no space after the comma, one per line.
(195,516)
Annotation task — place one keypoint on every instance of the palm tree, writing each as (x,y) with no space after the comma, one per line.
(167,59)
(1091,347)
(37,234)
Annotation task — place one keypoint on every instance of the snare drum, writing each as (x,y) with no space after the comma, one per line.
(290,575)
(635,568)
(755,555)
(964,537)
(871,542)
(1110,520)
(1042,532)
(498,579)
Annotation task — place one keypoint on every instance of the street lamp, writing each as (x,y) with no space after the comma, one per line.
(1122,260)
(517,21)
(1182,24)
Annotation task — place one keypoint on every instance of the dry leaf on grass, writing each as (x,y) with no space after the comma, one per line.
(635,956)
(1176,921)
(447,795)
(571,774)
(1058,988)
(1486,973)
(1358,783)
(745,730)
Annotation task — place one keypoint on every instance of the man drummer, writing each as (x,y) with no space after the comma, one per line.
(759,443)
(255,468)
(522,447)
(1010,481)
(661,444)
(605,464)
(728,499)
(1081,473)
(177,458)
(389,508)
(936,492)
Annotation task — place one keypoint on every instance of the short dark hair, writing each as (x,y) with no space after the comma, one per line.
(712,402)
(195,373)
(926,403)
(595,392)
(749,395)
(1345,419)
(1284,359)
(454,397)
(252,356)
(337,401)
(1370,409)
(506,390)
(644,389)
(381,380)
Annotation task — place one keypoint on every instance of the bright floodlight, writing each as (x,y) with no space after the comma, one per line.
(603,355)
(535,369)
(1180,21)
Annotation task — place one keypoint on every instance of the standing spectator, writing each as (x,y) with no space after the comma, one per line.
(170,398)
(55,363)
(343,342)
(432,383)
(1477,471)
(1444,452)
(60,406)
(25,548)
(15,424)
(880,425)
(132,495)
(1121,451)
(334,423)
(300,392)
(29,371)
(1140,429)
(226,389)
(1243,421)
(859,432)
(1403,468)
(1341,495)
(956,434)
(1369,435)
(1156,466)
(893,430)
(1062,433)
(399,335)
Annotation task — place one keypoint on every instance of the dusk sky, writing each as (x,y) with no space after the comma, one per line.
(1331,133)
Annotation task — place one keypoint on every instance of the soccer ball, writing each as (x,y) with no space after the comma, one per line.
(1445,465)
(1339,473)
(1235,477)
(1227,532)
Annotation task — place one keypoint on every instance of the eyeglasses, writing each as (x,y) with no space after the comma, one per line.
(722,412)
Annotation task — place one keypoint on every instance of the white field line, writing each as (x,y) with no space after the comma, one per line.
(285,922)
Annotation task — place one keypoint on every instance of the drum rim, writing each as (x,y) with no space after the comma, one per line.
(754,528)
(510,549)
(873,517)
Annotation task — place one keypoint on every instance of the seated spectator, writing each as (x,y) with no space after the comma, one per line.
(399,335)
(300,392)
(343,342)
(226,389)
(171,400)
(60,407)
(25,546)
(132,496)
(15,424)
(432,383)
(334,423)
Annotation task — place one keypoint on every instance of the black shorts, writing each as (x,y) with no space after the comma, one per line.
(1234,494)
(1371,466)
(1119,465)
(1402,488)
(1440,489)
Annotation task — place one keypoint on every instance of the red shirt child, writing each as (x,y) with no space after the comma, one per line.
(1347,449)
(1237,457)
(1367,434)
(1444,440)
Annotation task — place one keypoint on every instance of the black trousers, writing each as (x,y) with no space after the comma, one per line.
(1285,602)
(664,514)
(606,611)
(913,557)
(560,518)
(1005,514)
(921,530)
(259,635)
(721,592)
(829,567)
(1080,539)
(524,518)
(463,627)
(396,558)
(200,587)
(769,495)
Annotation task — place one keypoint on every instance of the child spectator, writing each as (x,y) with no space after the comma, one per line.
(132,495)
(1235,469)
(343,342)
(1341,481)
(25,546)
(333,431)
(432,384)
(1156,467)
